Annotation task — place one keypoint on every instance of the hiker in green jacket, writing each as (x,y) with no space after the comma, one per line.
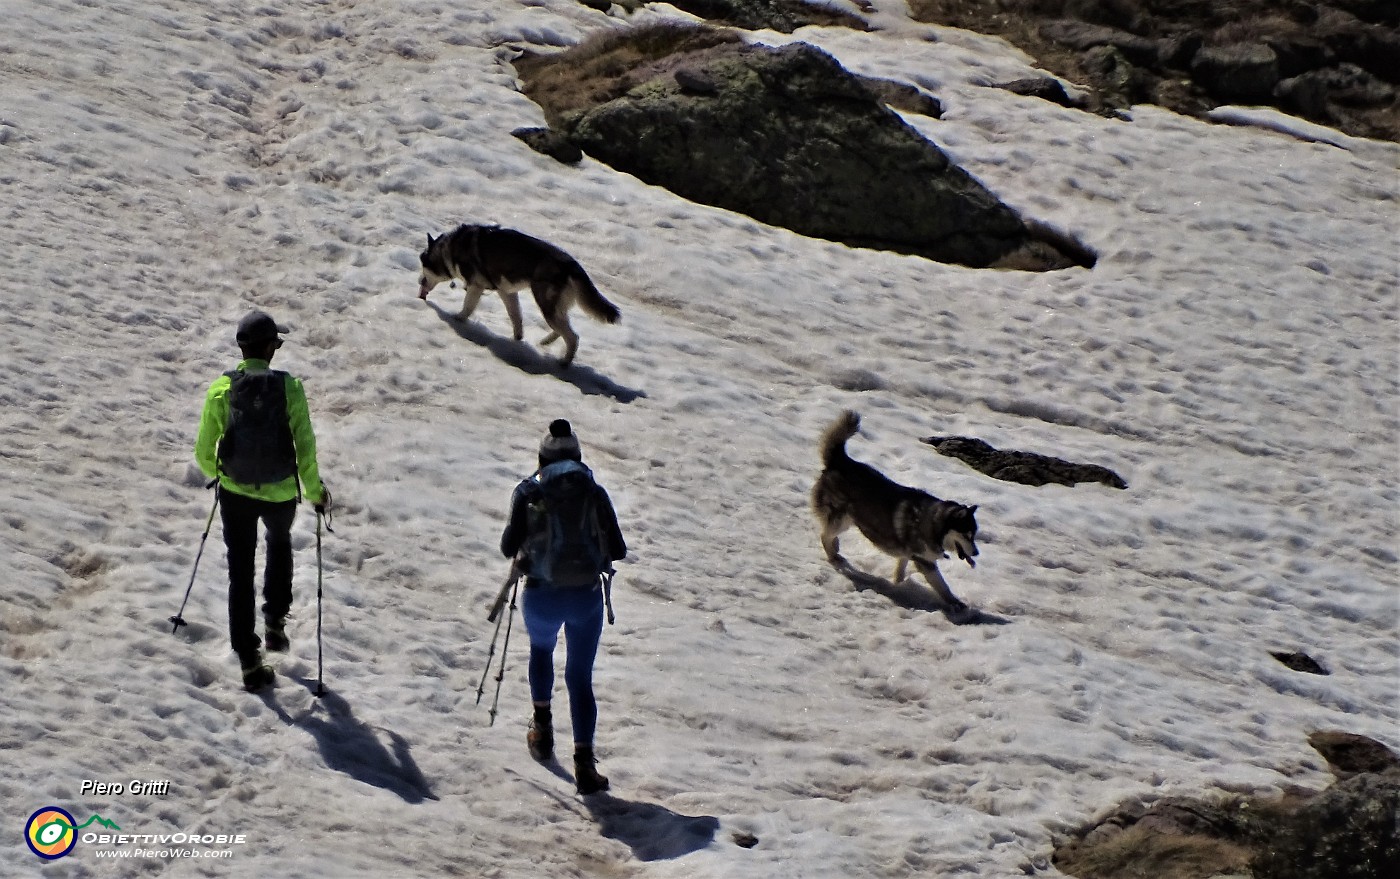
(255,438)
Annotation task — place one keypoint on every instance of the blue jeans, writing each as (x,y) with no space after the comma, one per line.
(580,613)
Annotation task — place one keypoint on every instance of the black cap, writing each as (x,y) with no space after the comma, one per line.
(258,327)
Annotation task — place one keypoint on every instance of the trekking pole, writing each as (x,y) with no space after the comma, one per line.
(607,594)
(505,652)
(494,617)
(179,619)
(505,590)
(320,685)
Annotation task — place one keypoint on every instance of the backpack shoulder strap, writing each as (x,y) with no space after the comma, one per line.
(557,469)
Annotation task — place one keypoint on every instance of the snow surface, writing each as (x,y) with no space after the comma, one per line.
(166,165)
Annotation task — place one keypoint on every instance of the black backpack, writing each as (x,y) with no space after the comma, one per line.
(257,447)
(565,543)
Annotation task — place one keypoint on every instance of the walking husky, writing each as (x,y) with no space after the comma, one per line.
(907,523)
(494,258)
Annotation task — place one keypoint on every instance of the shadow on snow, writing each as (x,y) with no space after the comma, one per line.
(652,832)
(526,358)
(913,595)
(351,746)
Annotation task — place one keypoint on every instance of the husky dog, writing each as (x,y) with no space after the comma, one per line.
(907,523)
(494,258)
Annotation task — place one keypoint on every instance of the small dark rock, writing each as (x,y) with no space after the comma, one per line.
(745,840)
(1042,87)
(1300,662)
(903,96)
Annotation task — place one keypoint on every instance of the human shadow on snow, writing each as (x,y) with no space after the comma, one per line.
(654,833)
(914,595)
(527,358)
(351,746)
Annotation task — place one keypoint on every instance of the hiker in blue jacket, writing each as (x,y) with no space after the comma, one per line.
(564,557)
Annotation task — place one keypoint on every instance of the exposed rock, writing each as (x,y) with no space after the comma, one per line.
(1026,468)
(1121,84)
(1207,838)
(696,82)
(784,16)
(1348,830)
(1300,662)
(1241,73)
(1348,754)
(543,140)
(1191,55)
(784,135)
(1044,88)
(903,96)
(1081,36)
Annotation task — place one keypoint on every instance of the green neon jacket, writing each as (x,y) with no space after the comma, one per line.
(215,419)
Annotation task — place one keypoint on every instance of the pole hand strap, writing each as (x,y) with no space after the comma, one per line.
(511,579)
(607,576)
(325,509)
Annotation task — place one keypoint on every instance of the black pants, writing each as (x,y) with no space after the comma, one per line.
(240,519)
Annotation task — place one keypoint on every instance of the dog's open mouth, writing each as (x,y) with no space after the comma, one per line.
(423,289)
(967,558)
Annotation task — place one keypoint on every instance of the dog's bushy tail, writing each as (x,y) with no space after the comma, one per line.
(591,300)
(833,445)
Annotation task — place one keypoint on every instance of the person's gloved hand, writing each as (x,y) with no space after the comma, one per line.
(324,507)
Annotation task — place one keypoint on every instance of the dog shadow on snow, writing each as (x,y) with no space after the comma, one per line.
(652,832)
(527,358)
(913,595)
(352,746)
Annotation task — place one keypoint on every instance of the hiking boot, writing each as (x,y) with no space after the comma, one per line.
(256,674)
(540,737)
(275,639)
(586,775)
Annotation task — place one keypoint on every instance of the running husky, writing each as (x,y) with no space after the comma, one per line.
(494,258)
(907,523)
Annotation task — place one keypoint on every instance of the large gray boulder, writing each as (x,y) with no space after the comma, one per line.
(790,138)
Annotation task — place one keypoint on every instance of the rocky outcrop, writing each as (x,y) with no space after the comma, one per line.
(786,136)
(1348,829)
(1335,62)
(784,16)
(1026,468)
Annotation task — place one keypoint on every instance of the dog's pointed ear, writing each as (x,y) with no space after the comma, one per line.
(431,240)
(972,509)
